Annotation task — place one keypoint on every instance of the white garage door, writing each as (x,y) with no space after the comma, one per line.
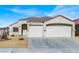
(58,31)
(35,31)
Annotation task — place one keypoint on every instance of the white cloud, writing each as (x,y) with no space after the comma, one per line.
(58,7)
(69,11)
(3,23)
(28,12)
(72,13)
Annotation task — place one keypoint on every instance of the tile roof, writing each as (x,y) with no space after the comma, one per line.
(36,19)
(40,19)
(76,21)
(4,28)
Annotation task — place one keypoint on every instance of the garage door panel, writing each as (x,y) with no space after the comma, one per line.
(58,31)
(35,31)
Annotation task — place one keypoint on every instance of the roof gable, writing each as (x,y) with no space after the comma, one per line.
(60,19)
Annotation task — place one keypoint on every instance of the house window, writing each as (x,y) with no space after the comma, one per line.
(15,29)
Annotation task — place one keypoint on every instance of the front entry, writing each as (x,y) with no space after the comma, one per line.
(24,29)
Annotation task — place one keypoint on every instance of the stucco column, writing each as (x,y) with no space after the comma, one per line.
(27,30)
(20,30)
(44,29)
(73,30)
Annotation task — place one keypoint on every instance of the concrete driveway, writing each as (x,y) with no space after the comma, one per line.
(52,43)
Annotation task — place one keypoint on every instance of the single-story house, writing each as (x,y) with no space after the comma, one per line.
(57,26)
(76,21)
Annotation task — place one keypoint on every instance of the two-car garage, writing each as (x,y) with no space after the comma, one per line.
(58,31)
(59,26)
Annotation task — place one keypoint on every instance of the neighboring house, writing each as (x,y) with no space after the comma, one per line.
(76,21)
(58,26)
(4,30)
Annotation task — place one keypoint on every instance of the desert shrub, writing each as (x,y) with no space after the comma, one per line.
(21,38)
(12,35)
(4,37)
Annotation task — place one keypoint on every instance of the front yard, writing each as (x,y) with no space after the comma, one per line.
(14,42)
(38,45)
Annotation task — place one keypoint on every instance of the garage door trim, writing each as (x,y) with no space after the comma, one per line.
(59,24)
(69,25)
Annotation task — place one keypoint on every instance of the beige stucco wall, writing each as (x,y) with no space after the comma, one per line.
(35,23)
(59,19)
(73,29)
(18,24)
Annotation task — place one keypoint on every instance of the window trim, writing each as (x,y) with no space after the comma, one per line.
(15,29)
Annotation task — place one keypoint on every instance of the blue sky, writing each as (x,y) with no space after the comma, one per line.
(11,13)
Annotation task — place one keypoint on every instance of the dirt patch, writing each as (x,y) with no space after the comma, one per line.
(14,42)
